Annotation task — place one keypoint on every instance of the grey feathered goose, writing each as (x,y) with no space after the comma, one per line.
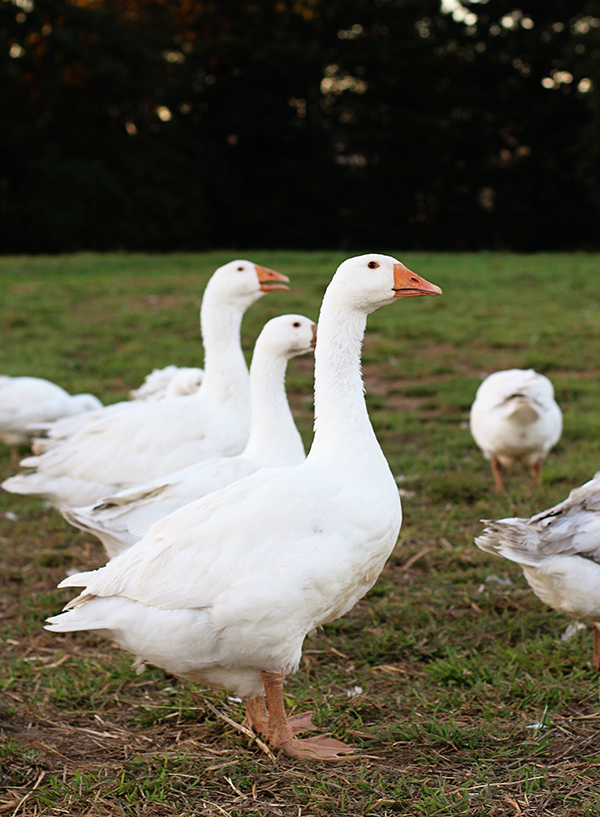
(559,551)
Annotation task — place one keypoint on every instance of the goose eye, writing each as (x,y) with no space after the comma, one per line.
(372,265)
(240,269)
(296,324)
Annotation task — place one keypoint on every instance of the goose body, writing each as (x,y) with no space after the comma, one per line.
(59,431)
(160,383)
(27,400)
(559,552)
(224,590)
(515,417)
(123,519)
(131,446)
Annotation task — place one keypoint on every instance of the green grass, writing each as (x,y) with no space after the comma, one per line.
(450,667)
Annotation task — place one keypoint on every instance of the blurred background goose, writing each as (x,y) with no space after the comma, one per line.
(559,551)
(123,519)
(515,417)
(157,437)
(171,381)
(225,590)
(28,400)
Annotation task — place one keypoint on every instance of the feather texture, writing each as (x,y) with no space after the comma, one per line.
(558,549)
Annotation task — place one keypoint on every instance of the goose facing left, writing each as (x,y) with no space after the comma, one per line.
(224,590)
(158,437)
(28,400)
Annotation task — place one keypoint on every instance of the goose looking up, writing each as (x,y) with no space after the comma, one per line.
(559,552)
(27,400)
(123,519)
(515,417)
(158,437)
(224,590)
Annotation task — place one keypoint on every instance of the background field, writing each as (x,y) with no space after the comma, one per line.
(450,677)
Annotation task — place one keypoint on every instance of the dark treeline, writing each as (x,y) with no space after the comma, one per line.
(149,125)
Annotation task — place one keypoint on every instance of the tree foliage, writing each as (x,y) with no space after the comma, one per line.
(146,124)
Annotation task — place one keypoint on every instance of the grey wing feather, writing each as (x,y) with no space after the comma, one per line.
(571,528)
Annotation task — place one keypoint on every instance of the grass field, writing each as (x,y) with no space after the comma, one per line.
(450,678)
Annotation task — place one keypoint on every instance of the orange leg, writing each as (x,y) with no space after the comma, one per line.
(281,735)
(14,453)
(596,656)
(257,717)
(497,472)
(536,472)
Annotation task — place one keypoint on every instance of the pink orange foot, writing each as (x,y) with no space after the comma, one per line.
(257,717)
(281,735)
(301,723)
(321,747)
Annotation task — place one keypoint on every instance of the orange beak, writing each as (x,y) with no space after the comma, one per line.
(314,337)
(267,278)
(408,284)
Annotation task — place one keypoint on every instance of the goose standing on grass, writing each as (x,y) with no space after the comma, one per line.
(27,400)
(515,417)
(123,519)
(224,590)
(158,437)
(559,551)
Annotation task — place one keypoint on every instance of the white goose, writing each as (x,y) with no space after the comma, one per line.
(123,519)
(515,417)
(27,400)
(225,590)
(559,551)
(158,437)
(171,381)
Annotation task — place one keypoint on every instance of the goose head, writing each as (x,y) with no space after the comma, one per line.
(369,281)
(241,282)
(288,336)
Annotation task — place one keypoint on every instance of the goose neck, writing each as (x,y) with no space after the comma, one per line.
(273,433)
(225,370)
(343,430)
